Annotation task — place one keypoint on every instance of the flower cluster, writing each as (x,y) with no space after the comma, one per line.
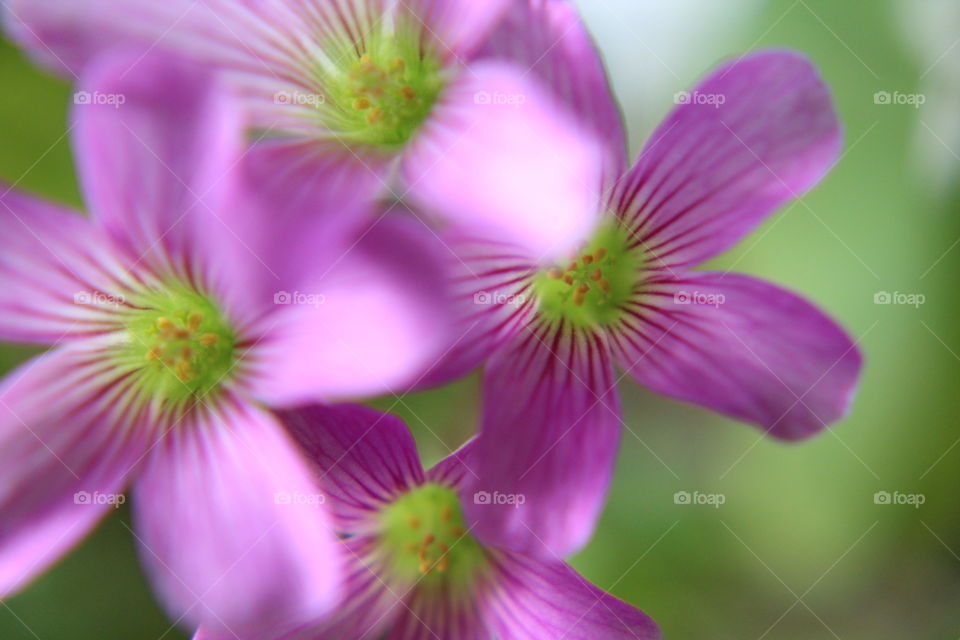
(443,185)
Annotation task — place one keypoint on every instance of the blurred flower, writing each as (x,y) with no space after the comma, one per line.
(755,134)
(426,89)
(170,336)
(414,566)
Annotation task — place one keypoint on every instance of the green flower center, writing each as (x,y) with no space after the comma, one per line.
(179,344)
(383,96)
(425,539)
(592,289)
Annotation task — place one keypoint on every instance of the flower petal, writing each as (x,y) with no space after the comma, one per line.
(757,133)
(549,600)
(231,525)
(743,347)
(371,324)
(68,442)
(501,158)
(548,39)
(551,424)
(60,278)
(363,458)
(154,150)
(457,27)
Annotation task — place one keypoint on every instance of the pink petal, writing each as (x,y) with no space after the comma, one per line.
(60,278)
(457,27)
(232,527)
(757,133)
(548,40)
(155,163)
(503,159)
(68,443)
(428,615)
(743,347)
(370,324)
(550,601)
(363,459)
(544,457)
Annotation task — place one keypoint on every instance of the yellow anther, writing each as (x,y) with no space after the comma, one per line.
(600,253)
(568,279)
(424,567)
(413,522)
(587,259)
(555,274)
(375,116)
(164,324)
(186,353)
(457,532)
(361,104)
(428,540)
(183,370)
(193,322)
(446,513)
(572,266)
(604,285)
(596,275)
(209,339)
(408,92)
(580,294)
(154,353)
(181,334)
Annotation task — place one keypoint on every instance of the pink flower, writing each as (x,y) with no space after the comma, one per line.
(427,100)
(415,568)
(187,303)
(755,134)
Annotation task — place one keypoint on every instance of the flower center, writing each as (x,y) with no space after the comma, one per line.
(179,344)
(593,287)
(424,536)
(382,97)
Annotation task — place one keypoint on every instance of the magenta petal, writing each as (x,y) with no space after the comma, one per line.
(549,39)
(502,159)
(58,272)
(232,526)
(363,458)
(758,132)
(457,27)
(550,601)
(159,155)
(545,454)
(371,324)
(744,347)
(67,446)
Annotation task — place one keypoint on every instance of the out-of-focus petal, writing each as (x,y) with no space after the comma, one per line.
(502,158)
(363,458)
(68,442)
(232,527)
(547,39)
(456,27)
(61,278)
(549,600)
(370,324)
(757,133)
(155,150)
(545,453)
(741,346)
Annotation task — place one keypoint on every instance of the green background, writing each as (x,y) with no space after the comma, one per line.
(799,550)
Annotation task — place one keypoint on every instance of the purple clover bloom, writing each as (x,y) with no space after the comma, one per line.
(176,315)
(755,134)
(436,100)
(415,569)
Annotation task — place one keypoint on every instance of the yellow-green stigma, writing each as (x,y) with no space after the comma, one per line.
(383,96)
(425,539)
(179,345)
(592,288)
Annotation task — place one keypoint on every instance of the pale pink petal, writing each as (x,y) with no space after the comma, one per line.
(370,324)
(757,133)
(232,527)
(363,459)
(548,40)
(741,346)
(68,442)
(503,159)
(548,600)
(60,278)
(456,27)
(545,453)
